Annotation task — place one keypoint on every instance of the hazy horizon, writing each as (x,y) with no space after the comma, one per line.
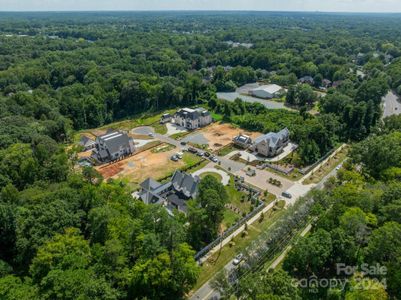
(336,6)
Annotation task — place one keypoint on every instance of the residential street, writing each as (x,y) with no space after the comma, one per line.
(237,168)
(206,292)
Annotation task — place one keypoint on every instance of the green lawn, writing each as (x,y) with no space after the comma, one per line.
(160,128)
(215,175)
(236,197)
(217,117)
(191,159)
(230,218)
(147,119)
(327,167)
(140,120)
(179,135)
(227,149)
(219,259)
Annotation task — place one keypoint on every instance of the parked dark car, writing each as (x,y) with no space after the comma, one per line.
(201,153)
(192,150)
(183,143)
(286,195)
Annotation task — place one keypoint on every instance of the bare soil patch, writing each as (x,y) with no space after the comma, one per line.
(142,165)
(222,134)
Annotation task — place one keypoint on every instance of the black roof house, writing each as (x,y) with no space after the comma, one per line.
(172,194)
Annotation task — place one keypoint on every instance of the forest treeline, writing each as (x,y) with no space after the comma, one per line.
(65,235)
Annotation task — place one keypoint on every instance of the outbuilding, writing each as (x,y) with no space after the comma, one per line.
(268,91)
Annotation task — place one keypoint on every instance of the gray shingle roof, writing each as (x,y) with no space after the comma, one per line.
(185,183)
(273,138)
(150,184)
(115,140)
(85,141)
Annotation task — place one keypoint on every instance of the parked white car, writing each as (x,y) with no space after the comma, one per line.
(238,259)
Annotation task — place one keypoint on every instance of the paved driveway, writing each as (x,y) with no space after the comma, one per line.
(267,103)
(144,130)
(196,138)
(225,178)
(230,165)
(286,151)
(261,180)
(141,143)
(174,128)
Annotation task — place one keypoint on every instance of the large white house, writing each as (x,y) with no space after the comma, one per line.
(266,91)
(192,118)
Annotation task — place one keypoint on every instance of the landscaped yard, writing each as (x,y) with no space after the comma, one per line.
(127,125)
(219,259)
(327,167)
(217,117)
(179,135)
(227,150)
(215,175)
(191,159)
(239,205)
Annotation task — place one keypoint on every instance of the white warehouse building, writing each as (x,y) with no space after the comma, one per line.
(267,91)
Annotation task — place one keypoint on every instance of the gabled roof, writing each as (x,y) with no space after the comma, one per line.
(284,133)
(85,141)
(150,184)
(115,140)
(185,183)
(149,197)
(273,138)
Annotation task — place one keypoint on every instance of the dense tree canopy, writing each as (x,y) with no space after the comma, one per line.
(66,234)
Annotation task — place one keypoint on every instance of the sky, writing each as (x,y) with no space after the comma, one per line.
(263,5)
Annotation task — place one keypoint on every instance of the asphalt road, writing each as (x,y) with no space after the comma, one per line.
(267,103)
(206,292)
(391,104)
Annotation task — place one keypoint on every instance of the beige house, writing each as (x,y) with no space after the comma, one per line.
(271,144)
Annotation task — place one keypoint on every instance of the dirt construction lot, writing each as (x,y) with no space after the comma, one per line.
(141,166)
(222,134)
